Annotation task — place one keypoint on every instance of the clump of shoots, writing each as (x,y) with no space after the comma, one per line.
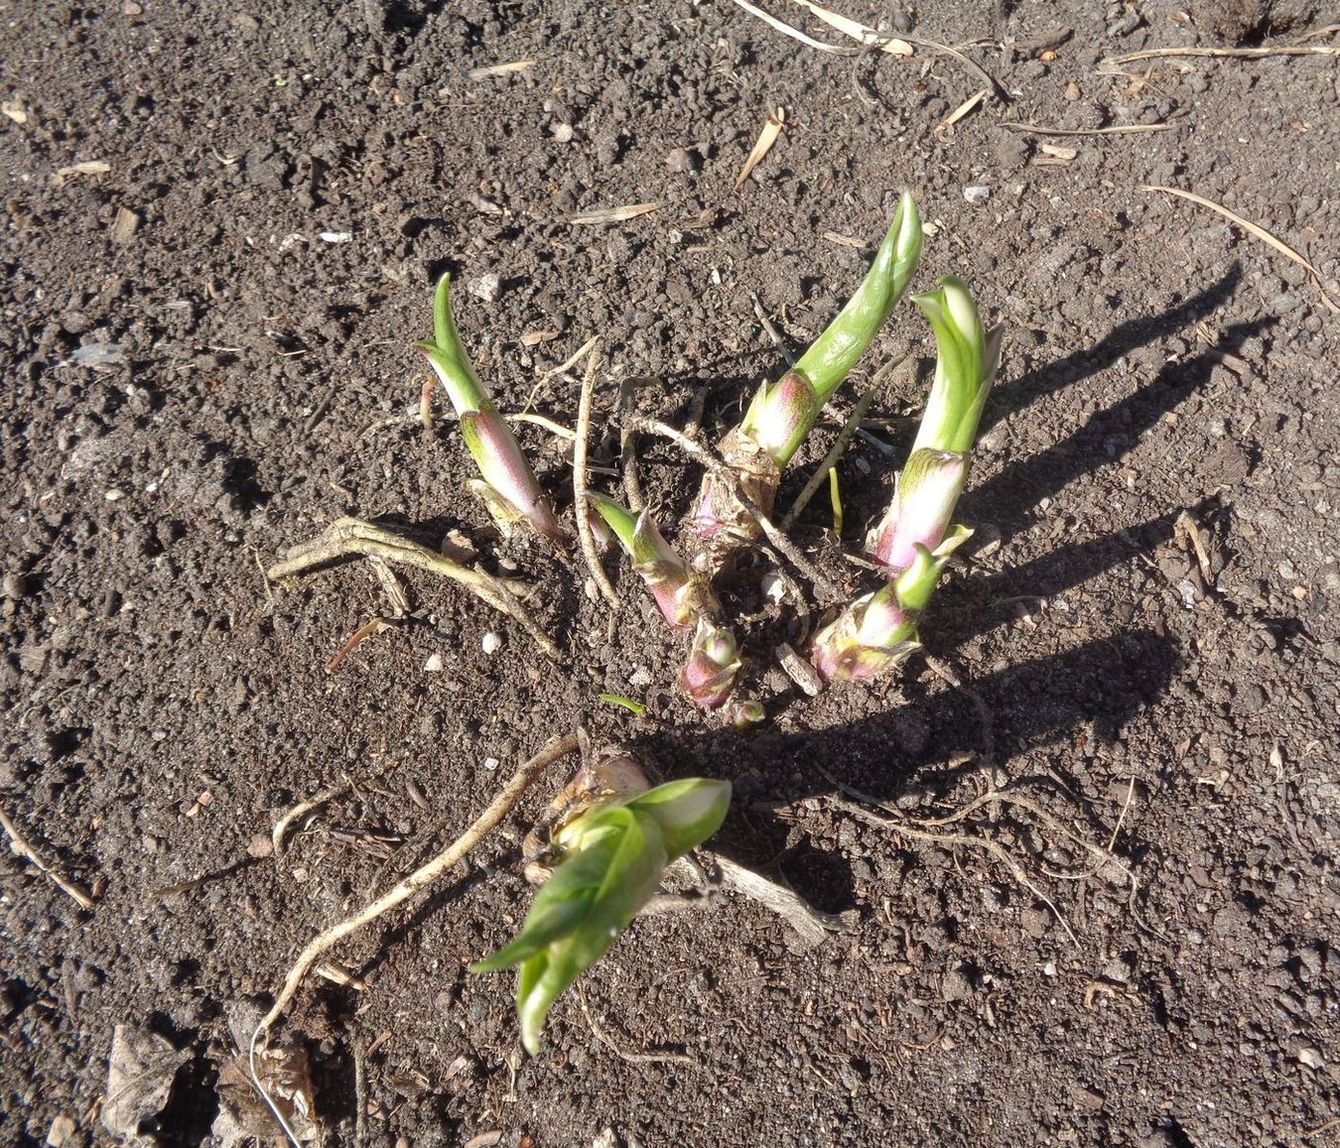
(507,484)
(915,538)
(610,862)
(684,598)
(782,413)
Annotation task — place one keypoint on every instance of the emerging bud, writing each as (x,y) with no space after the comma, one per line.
(613,859)
(509,488)
(709,673)
(924,499)
(682,594)
(746,715)
(876,632)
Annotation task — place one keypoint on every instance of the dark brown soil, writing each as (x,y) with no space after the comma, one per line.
(162,709)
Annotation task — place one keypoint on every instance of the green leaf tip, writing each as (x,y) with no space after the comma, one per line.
(615,855)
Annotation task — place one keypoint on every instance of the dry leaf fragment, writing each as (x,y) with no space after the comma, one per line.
(507,69)
(14,110)
(766,138)
(88,167)
(843,240)
(285,1074)
(140,1069)
(615,214)
(124,226)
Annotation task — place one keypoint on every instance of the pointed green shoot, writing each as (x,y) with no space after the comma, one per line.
(682,595)
(782,414)
(967,358)
(615,857)
(834,353)
(509,488)
(448,357)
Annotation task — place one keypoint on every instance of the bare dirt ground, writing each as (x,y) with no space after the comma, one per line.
(222,226)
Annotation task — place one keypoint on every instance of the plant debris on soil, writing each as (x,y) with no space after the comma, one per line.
(1071,873)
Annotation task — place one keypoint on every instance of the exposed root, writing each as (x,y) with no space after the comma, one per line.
(350,537)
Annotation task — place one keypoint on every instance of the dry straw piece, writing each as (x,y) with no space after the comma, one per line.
(615,214)
(766,138)
(858,31)
(507,69)
(787,30)
(1252,229)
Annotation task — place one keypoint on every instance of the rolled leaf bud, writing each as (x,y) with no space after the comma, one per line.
(782,413)
(966,362)
(509,487)
(613,860)
(709,673)
(682,594)
(924,499)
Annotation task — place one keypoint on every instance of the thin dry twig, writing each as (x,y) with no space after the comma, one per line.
(558,430)
(346,537)
(360,1091)
(808,922)
(795,33)
(726,476)
(492,70)
(367,630)
(963,109)
(839,446)
(632,486)
(422,877)
(280,830)
(19,845)
(602,1035)
(585,539)
(770,329)
(615,214)
(858,31)
(1252,229)
(1228,53)
(1112,130)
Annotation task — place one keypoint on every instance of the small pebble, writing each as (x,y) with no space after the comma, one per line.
(492,642)
(682,160)
(563,133)
(17,586)
(433,665)
(486,287)
(975,193)
(491,763)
